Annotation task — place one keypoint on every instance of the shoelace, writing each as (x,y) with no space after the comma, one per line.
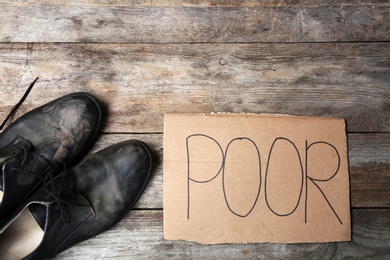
(15,108)
(63,196)
(22,151)
(26,155)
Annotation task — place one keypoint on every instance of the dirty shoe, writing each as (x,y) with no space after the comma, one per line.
(40,143)
(79,203)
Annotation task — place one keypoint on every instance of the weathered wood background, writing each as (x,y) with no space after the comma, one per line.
(146,58)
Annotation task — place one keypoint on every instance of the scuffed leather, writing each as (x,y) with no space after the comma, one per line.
(107,185)
(61,130)
(58,133)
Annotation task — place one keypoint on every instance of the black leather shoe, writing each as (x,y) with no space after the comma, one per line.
(41,142)
(78,204)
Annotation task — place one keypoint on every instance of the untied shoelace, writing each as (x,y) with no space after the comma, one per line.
(18,104)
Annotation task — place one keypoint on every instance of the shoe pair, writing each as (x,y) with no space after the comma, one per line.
(45,208)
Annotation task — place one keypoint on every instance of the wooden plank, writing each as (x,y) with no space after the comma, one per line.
(138,83)
(369,159)
(194,2)
(183,24)
(369,167)
(140,236)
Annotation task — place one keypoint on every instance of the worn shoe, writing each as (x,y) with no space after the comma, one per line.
(41,142)
(78,204)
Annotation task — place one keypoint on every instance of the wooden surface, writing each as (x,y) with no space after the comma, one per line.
(144,59)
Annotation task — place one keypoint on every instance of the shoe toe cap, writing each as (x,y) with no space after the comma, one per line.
(114,179)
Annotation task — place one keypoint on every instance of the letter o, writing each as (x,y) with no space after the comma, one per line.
(257,155)
(292,150)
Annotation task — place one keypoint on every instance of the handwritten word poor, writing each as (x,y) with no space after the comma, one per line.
(303,178)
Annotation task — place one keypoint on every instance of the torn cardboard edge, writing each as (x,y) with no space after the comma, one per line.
(250,178)
(255,115)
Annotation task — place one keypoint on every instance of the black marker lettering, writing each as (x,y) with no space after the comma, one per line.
(223,177)
(315,180)
(282,139)
(188,167)
(305,178)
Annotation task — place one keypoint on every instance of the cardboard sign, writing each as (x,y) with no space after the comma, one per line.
(245,178)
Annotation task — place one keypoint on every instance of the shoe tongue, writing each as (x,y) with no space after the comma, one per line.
(38,211)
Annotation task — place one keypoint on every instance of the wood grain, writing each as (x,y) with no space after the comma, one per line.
(138,83)
(143,59)
(205,3)
(193,24)
(140,236)
(369,169)
(369,162)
